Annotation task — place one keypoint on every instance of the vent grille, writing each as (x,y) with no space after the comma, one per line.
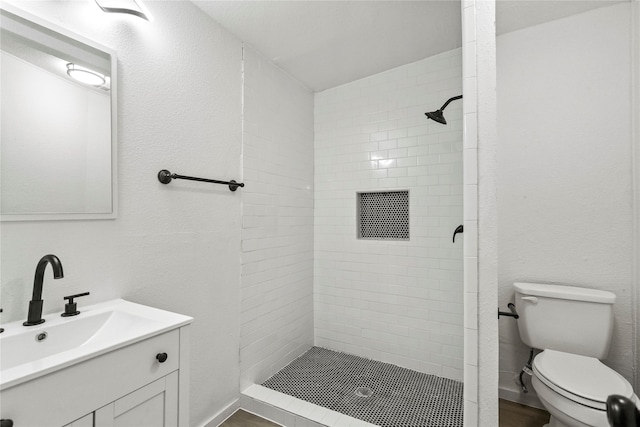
(383,215)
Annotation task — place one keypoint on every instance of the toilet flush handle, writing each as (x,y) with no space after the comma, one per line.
(534,300)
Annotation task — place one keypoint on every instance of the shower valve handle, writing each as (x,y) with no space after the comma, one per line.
(459,229)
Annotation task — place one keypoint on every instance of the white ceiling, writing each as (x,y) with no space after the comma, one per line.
(328,43)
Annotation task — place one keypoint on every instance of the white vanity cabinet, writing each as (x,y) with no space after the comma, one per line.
(154,405)
(131,386)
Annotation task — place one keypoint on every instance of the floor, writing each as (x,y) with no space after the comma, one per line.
(379,393)
(511,415)
(246,419)
(516,415)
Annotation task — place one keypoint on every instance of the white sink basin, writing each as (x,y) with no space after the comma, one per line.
(27,352)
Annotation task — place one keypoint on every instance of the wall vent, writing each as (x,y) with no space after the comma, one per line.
(383,215)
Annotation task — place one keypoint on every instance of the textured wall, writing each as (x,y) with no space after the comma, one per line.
(277,220)
(395,301)
(565,174)
(175,247)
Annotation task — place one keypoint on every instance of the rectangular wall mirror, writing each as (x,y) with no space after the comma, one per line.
(58,123)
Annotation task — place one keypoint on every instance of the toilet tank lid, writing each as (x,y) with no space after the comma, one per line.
(565,292)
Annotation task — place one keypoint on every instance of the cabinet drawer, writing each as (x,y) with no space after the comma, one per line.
(63,396)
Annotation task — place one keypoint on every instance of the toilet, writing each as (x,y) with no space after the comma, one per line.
(573,327)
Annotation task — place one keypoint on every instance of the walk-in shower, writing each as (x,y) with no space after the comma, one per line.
(371,281)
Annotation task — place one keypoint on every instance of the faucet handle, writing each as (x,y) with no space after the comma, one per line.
(71,308)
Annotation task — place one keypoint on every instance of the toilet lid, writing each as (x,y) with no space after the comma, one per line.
(582,379)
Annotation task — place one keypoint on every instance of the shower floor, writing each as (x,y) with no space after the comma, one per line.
(376,392)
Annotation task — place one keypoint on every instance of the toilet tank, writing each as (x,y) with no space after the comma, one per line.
(565,318)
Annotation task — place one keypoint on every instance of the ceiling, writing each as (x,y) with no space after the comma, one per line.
(328,43)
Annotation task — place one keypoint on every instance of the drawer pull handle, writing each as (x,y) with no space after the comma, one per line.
(162,357)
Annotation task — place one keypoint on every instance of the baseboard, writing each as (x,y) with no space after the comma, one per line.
(223,414)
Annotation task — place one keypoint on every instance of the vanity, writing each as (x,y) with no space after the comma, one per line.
(115,364)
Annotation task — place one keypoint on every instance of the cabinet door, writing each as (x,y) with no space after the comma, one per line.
(154,405)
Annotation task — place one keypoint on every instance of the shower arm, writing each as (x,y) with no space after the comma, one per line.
(449,100)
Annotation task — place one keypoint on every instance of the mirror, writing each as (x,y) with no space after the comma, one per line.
(57,134)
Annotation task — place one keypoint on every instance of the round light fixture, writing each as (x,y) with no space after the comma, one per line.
(85,75)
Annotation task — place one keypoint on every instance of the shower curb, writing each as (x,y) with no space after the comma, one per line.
(290,411)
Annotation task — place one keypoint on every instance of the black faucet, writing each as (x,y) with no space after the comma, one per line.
(35,305)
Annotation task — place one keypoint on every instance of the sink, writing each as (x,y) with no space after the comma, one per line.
(27,352)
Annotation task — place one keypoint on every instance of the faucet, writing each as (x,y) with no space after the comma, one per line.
(35,305)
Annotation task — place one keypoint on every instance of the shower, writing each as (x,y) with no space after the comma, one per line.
(437,115)
(375,329)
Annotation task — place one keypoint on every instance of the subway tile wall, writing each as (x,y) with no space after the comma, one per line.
(470,192)
(277,225)
(399,302)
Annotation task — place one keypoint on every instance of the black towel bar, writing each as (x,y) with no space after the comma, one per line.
(165,177)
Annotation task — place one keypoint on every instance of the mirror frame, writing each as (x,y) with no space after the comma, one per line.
(14,10)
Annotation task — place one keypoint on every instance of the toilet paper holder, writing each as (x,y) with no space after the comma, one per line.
(511,313)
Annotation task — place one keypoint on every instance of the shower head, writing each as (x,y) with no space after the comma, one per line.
(437,115)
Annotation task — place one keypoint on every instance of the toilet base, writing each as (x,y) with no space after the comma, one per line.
(554,422)
(565,413)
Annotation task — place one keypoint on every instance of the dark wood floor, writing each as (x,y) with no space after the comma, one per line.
(245,419)
(511,415)
(516,415)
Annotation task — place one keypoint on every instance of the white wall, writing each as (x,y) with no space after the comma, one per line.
(479,194)
(565,171)
(277,220)
(395,301)
(635,112)
(175,247)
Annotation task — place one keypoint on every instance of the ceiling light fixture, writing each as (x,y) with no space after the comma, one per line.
(132,7)
(85,75)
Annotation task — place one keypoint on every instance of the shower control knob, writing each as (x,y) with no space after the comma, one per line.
(162,357)
(6,423)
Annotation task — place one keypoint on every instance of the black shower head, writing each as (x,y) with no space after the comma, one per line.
(437,115)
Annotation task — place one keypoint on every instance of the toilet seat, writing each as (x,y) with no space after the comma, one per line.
(584,380)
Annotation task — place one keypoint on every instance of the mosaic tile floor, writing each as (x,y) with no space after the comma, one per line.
(376,392)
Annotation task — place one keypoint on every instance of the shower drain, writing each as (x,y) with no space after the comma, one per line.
(363,392)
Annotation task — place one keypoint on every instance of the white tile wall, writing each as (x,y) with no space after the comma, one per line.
(481,379)
(277,225)
(470,127)
(396,301)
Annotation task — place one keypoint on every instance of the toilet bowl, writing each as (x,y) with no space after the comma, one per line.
(574,388)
